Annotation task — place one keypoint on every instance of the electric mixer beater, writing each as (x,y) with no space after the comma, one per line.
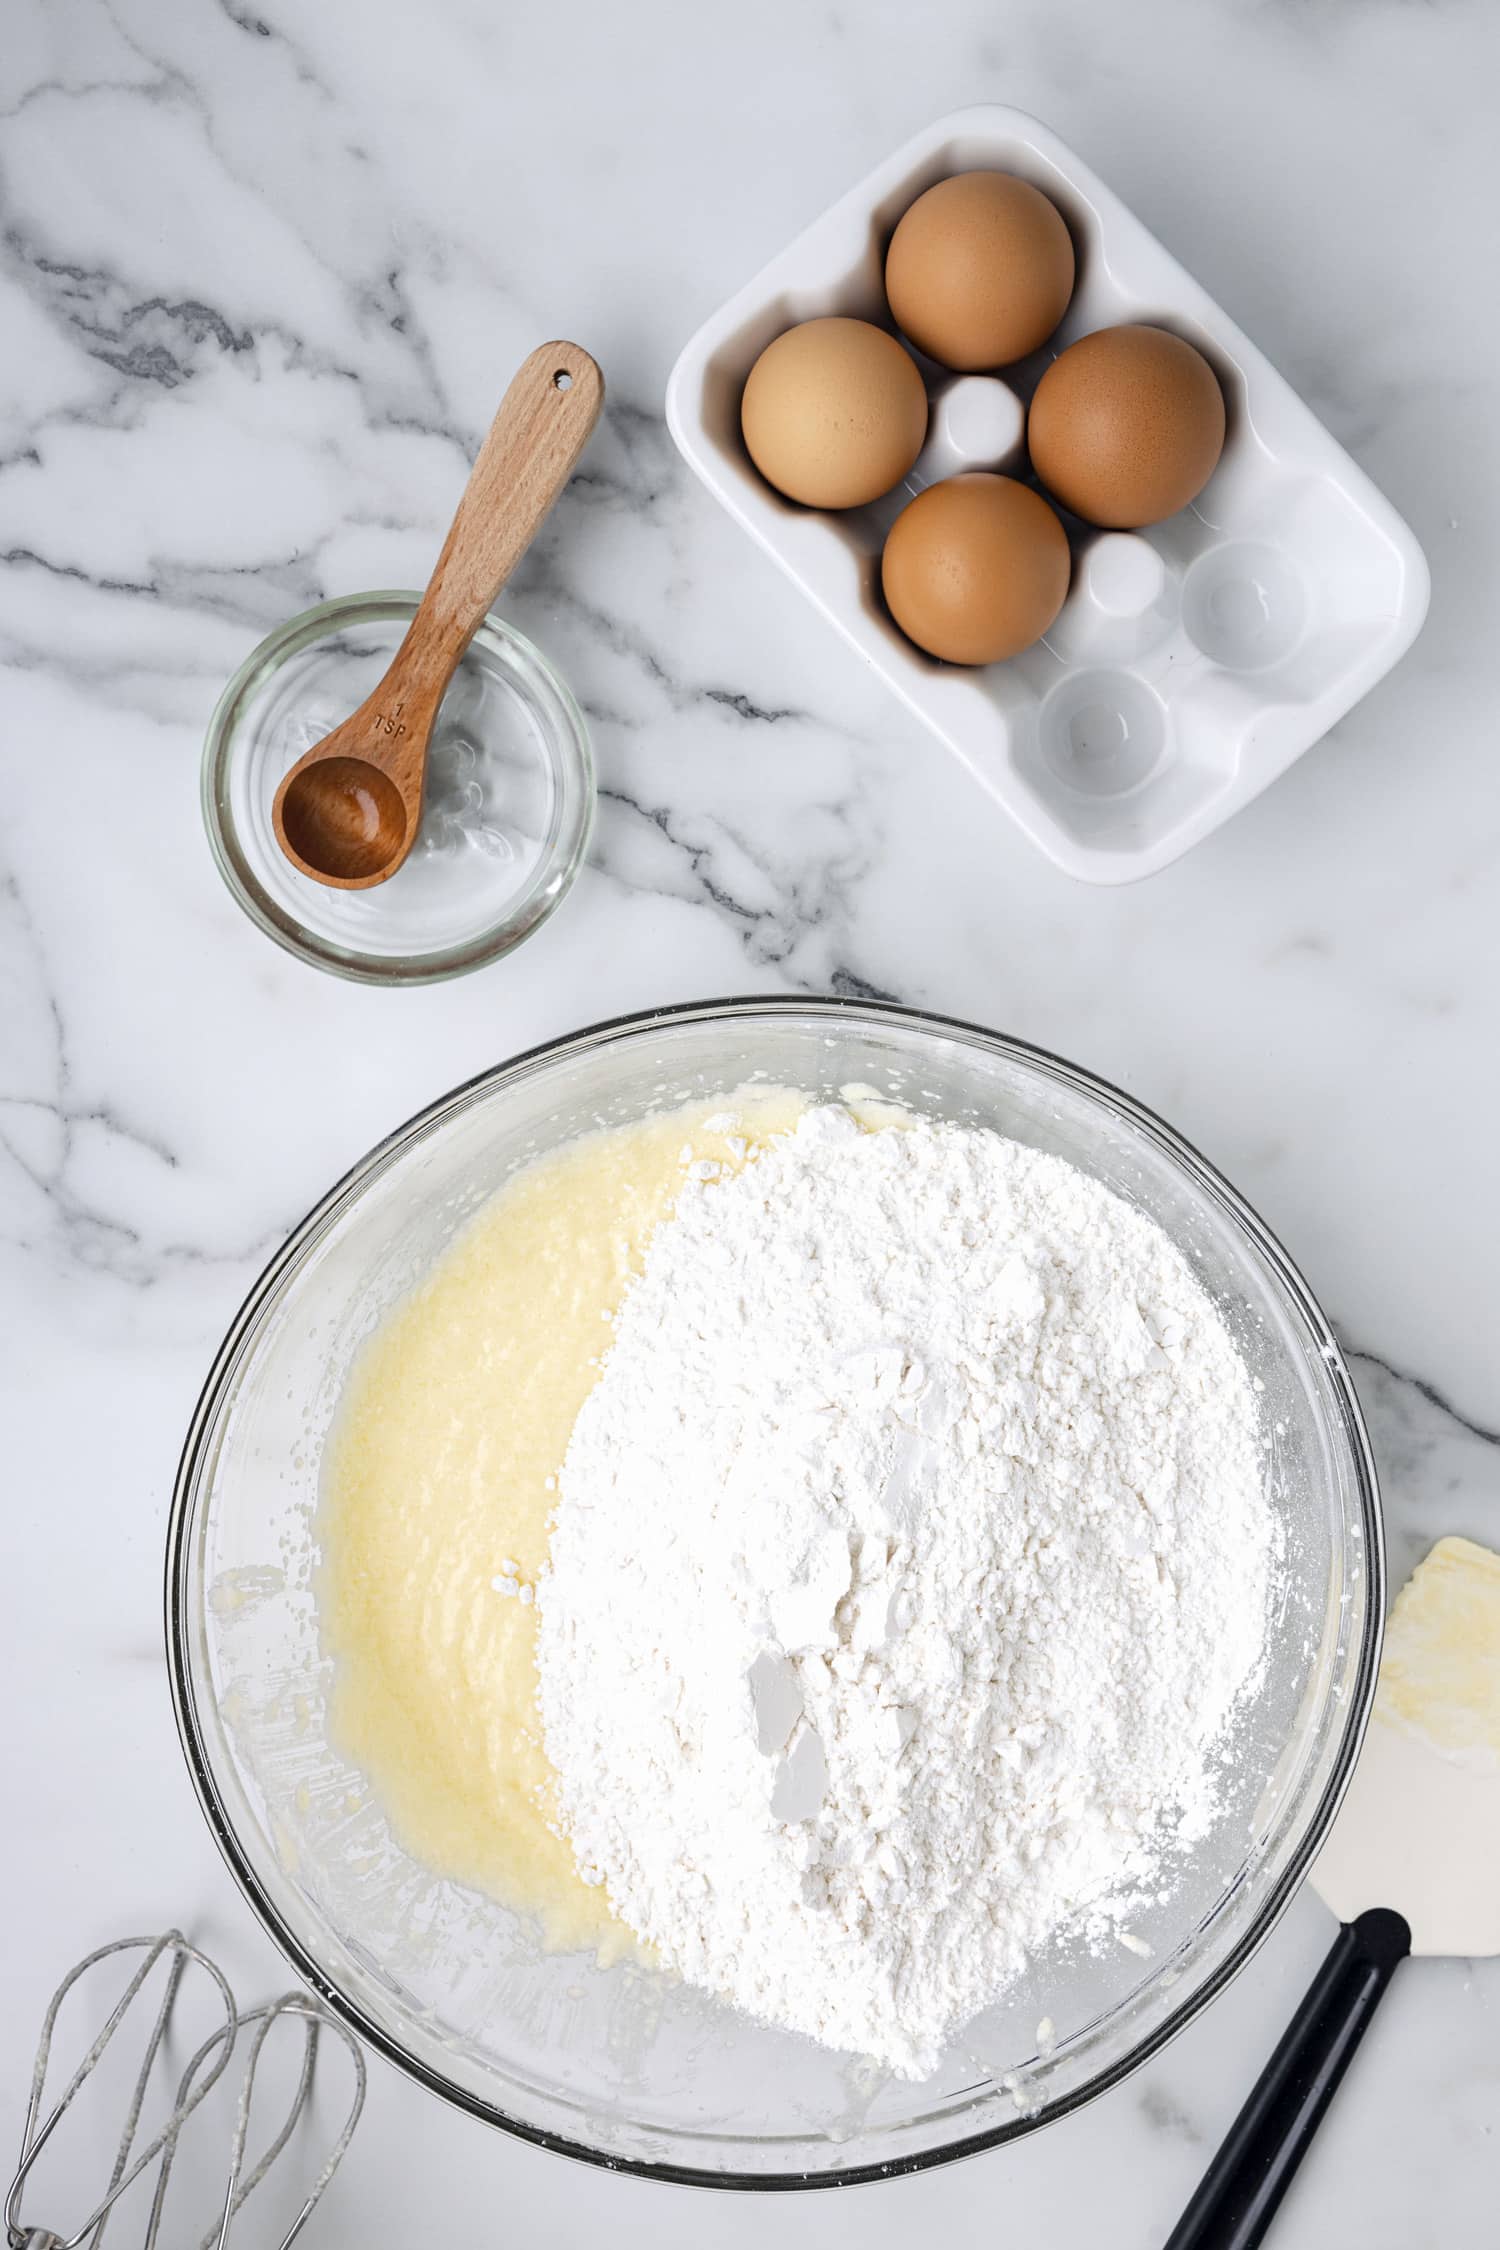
(203,2071)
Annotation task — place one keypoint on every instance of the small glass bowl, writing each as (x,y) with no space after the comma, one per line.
(508,811)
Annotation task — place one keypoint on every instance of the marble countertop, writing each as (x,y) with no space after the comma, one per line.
(265,269)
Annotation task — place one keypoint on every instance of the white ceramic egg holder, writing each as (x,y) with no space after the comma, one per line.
(1192,662)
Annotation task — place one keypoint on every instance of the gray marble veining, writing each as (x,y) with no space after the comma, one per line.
(264,271)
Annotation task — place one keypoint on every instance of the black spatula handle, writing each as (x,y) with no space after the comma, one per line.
(1239,2193)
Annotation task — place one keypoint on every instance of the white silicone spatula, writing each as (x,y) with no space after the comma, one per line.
(1412,1865)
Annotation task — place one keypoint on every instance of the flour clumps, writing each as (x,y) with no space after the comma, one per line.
(911,1556)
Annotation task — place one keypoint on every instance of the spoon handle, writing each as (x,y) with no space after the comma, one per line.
(544,422)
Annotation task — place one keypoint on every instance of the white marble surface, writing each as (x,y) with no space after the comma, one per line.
(265,269)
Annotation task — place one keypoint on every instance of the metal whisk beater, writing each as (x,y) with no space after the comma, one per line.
(203,2072)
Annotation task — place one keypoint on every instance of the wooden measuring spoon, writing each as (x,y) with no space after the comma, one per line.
(348,811)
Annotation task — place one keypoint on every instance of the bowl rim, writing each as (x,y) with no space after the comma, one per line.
(569,751)
(208,1408)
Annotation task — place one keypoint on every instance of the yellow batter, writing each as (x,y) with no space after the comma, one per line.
(440,1479)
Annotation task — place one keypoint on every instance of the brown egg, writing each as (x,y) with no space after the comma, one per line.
(1127,426)
(834,413)
(976,568)
(980,270)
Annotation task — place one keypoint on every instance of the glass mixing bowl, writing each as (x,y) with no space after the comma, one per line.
(622,2065)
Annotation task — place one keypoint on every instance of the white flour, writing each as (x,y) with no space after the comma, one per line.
(910,1554)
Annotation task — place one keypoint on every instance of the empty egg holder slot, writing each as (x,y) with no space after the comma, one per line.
(1192,661)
